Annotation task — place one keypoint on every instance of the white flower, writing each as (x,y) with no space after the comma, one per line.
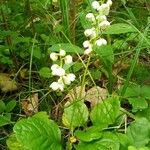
(109,2)
(54,67)
(61,72)
(71,76)
(57,70)
(90,33)
(66,80)
(68,59)
(61,86)
(90,17)
(104,24)
(101,18)
(88,51)
(86,44)
(101,42)
(54,86)
(95,5)
(54,56)
(62,52)
(57,86)
(104,9)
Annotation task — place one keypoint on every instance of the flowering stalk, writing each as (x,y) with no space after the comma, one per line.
(83,80)
(98,24)
(58,70)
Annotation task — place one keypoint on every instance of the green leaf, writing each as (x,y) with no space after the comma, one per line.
(75,114)
(37,52)
(5,60)
(106,55)
(145,92)
(105,112)
(103,144)
(138,104)
(45,72)
(2,106)
(138,91)
(95,73)
(144,113)
(124,141)
(144,148)
(5,119)
(139,132)
(89,134)
(22,40)
(132,148)
(133,91)
(84,22)
(138,96)
(10,105)
(67,47)
(141,148)
(77,66)
(120,44)
(38,133)
(120,28)
(13,144)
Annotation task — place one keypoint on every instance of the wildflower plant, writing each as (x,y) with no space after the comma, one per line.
(64,78)
(99,22)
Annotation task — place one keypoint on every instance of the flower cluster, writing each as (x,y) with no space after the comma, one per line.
(58,70)
(99,24)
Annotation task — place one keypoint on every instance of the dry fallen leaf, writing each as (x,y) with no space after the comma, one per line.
(6,83)
(75,93)
(24,74)
(118,67)
(95,95)
(30,106)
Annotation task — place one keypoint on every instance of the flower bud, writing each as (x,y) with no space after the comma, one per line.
(104,9)
(104,24)
(66,80)
(68,59)
(57,71)
(90,33)
(90,17)
(53,56)
(101,42)
(109,2)
(71,77)
(87,51)
(101,18)
(54,86)
(86,44)
(62,52)
(95,5)
(61,87)
(54,67)
(57,86)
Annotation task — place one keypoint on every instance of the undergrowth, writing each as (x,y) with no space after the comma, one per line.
(74,75)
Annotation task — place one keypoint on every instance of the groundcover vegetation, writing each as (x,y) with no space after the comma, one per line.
(75,75)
